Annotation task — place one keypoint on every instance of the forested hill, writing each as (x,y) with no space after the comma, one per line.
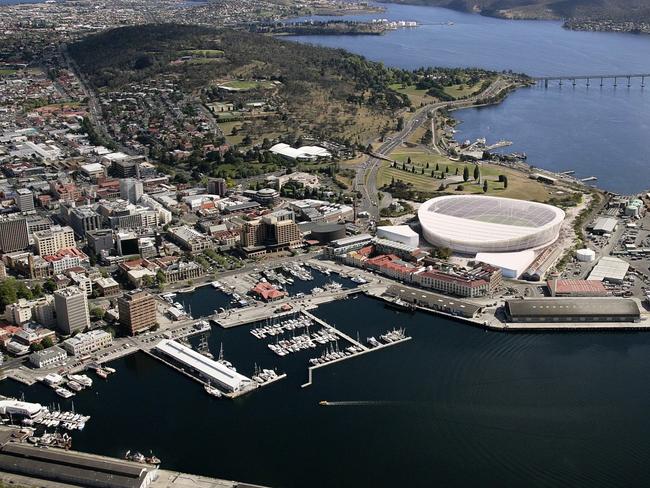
(313,90)
(598,10)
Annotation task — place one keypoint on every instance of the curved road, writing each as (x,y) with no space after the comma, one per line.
(365,181)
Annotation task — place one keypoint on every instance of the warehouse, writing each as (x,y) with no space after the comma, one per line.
(575,310)
(609,269)
(604,225)
(208,369)
(73,468)
(433,301)
(399,233)
(576,288)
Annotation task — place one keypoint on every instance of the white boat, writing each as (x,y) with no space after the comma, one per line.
(62,392)
(53,379)
(212,391)
(74,386)
(82,379)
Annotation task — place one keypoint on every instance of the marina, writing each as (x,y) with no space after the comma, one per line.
(425,395)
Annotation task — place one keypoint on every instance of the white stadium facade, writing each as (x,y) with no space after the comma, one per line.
(472,224)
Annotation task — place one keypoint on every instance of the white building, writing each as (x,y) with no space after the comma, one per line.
(83,282)
(48,358)
(131,189)
(48,242)
(40,310)
(93,171)
(304,153)
(71,309)
(399,233)
(87,343)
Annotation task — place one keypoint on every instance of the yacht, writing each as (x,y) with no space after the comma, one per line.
(62,392)
(82,379)
(74,386)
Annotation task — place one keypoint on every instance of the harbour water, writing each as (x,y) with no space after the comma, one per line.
(456,406)
(596,132)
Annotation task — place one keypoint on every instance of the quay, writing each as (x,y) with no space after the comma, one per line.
(258,313)
(25,465)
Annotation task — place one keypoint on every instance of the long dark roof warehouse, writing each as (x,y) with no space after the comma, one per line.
(608,309)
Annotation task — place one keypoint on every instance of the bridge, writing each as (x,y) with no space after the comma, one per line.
(573,79)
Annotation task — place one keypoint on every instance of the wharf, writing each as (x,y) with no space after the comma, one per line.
(365,351)
(232,395)
(258,313)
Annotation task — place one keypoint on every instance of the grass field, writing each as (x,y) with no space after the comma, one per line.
(203,60)
(227,128)
(519,185)
(7,72)
(462,90)
(205,53)
(416,96)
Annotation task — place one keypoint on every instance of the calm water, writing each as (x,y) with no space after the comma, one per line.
(456,406)
(595,132)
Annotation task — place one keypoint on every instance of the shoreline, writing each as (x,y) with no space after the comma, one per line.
(576,24)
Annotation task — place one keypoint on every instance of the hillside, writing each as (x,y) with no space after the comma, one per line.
(635,11)
(313,90)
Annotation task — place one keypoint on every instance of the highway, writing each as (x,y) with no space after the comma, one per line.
(365,181)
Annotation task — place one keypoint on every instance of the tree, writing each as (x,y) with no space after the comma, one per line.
(485,186)
(50,286)
(465,174)
(427,165)
(47,342)
(400,123)
(456,170)
(460,188)
(97,313)
(408,160)
(477,173)
(437,167)
(505,181)
(36,346)
(148,281)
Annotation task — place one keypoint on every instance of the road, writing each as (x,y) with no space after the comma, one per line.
(365,181)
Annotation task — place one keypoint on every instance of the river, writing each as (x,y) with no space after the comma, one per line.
(596,132)
(456,406)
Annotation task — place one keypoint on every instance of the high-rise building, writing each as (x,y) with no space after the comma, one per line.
(131,190)
(24,200)
(81,219)
(14,235)
(217,186)
(71,307)
(100,240)
(48,242)
(277,229)
(137,310)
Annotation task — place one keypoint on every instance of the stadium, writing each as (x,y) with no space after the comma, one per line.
(475,223)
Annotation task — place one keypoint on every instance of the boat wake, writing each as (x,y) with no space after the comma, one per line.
(362,403)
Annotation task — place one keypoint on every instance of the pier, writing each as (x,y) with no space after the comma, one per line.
(366,350)
(573,79)
(335,331)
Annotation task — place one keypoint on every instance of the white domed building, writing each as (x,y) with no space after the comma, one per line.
(472,224)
